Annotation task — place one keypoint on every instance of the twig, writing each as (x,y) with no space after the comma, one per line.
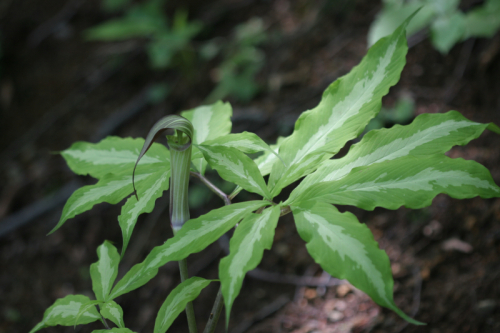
(50,117)
(459,71)
(416,296)
(123,114)
(33,211)
(262,314)
(46,29)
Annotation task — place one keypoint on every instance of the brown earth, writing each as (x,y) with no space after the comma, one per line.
(56,89)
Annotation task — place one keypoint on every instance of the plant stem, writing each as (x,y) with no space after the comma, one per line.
(212,187)
(189,307)
(180,161)
(215,314)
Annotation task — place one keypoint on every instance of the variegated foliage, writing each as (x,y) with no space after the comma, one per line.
(390,168)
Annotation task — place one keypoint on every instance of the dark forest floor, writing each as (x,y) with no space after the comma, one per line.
(56,89)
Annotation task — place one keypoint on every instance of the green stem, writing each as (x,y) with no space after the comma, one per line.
(189,307)
(215,314)
(180,161)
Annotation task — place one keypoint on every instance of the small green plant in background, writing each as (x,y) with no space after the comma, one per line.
(401,113)
(238,55)
(242,60)
(389,168)
(448,25)
(147,20)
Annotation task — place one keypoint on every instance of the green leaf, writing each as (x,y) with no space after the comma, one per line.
(483,21)
(346,249)
(142,20)
(194,236)
(114,330)
(65,311)
(209,122)
(111,189)
(394,13)
(149,189)
(104,271)
(409,180)
(254,234)
(136,277)
(84,308)
(171,122)
(112,311)
(265,162)
(112,155)
(345,109)
(234,166)
(246,142)
(176,302)
(447,30)
(428,134)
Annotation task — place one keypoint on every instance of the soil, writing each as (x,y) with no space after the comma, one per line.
(56,88)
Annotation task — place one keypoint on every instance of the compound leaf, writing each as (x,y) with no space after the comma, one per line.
(428,134)
(254,234)
(346,249)
(234,166)
(194,236)
(104,271)
(409,180)
(112,311)
(65,312)
(112,161)
(209,122)
(176,302)
(148,190)
(346,107)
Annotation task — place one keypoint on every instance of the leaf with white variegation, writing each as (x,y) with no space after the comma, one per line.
(409,180)
(264,162)
(234,166)
(148,189)
(65,311)
(104,271)
(346,249)
(112,311)
(176,302)
(254,234)
(428,134)
(112,155)
(110,188)
(246,142)
(194,236)
(345,109)
(209,122)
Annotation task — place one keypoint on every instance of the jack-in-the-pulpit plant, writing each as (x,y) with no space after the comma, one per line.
(390,168)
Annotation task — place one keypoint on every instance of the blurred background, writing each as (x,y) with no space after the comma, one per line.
(75,70)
